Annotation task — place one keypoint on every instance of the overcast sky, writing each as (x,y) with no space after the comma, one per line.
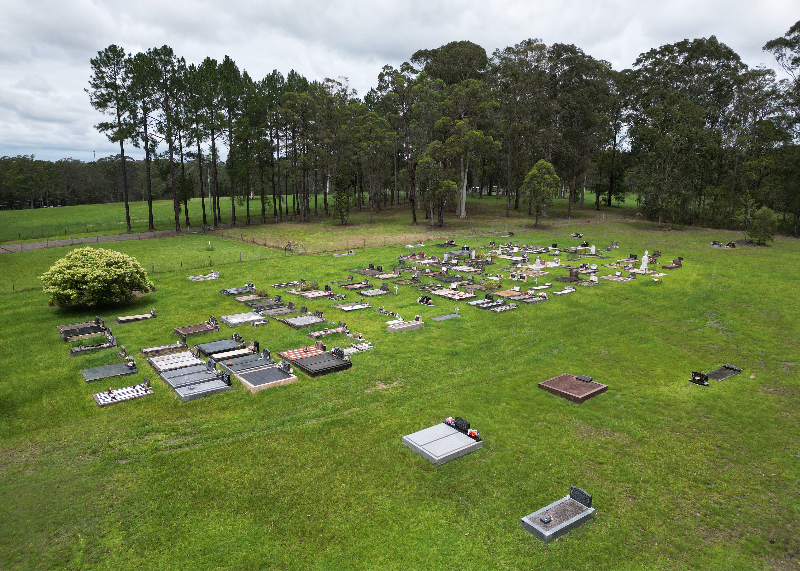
(46,45)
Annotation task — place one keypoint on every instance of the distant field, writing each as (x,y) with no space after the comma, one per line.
(313,475)
(102,219)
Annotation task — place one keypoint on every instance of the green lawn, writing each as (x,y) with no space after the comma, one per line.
(313,475)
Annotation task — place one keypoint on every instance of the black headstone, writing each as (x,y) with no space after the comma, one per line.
(580,496)
(461,424)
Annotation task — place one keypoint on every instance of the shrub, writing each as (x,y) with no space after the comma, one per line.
(94,276)
(763,226)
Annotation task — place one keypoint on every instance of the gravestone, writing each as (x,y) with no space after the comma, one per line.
(561,516)
(291,305)
(592,250)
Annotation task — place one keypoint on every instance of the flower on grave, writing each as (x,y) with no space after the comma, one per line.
(472,433)
(450,420)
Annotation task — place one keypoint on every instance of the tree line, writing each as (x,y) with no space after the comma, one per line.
(690,131)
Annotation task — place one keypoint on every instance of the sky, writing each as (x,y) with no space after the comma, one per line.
(47,45)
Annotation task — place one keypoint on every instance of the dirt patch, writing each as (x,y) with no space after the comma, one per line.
(379,386)
(787,365)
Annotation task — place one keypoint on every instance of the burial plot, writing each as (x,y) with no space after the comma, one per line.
(247,288)
(128,367)
(302,321)
(560,517)
(262,304)
(247,362)
(114,396)
(576,388)
(329,331)
(724,372)
(165,349)
(310,294)
(109,342)
(258,379)
(444,442)
(213,347)
(78,331)
(174,361)
(677,263)
(203,389)
(133,318)
(212,276)
(445,317)
(190,377)
(243,318)
(285,285)
(352,306)
(357,286)
(405,326)
(294,354)
(199,329)
(246,299)
(323,363)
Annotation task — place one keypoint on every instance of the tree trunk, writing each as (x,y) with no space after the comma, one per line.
(125,187)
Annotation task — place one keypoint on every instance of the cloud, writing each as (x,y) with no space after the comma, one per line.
(44,58)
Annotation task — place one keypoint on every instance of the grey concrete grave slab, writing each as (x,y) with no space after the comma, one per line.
(107,371)
(441,443)
(445,317)
(184,371)
(191,378)
(405,326)
(254,361)
(303,321)
(724,372)
(192,392)
(256,380)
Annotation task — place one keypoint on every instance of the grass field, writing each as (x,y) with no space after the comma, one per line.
(313,475)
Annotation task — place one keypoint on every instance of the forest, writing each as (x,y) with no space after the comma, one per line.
(689,132)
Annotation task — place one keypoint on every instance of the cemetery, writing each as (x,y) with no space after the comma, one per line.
(633,428)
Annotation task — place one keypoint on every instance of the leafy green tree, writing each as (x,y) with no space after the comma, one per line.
(763,227)
(94,276)
(342,200)
(541,183)
(454,62)
(110,94)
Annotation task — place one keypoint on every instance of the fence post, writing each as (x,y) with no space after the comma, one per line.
(240,256)
(365,242)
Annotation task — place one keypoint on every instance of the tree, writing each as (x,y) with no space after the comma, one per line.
(110,93)
(763,227)
(342,199)
(144,78)
(94,276)
(540,184)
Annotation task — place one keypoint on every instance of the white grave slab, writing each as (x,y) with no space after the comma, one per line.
(441,443)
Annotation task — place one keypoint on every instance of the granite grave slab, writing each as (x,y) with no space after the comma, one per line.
(558,518)
(573,388)
(441,443)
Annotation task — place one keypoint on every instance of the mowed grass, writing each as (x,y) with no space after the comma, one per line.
(313,475)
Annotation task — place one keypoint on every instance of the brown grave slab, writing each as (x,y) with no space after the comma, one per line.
(571,388)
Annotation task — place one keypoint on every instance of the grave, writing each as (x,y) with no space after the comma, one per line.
(374,292)
(243,318)
(248,298)
(264,304)
(261,378)
(84,330)
(351,306)
(302,321)
(677,263)
(247,362)
(174,361)
(405,326)
(203,389)
(247,288)
(212,276)
(444,442)
(286,284)
(133,318)
(109,342)
(207,327)
(323,363)
(293,354)
(576,388)
(213,347)
(128,367)
(445,317)
(724,372)
(342,328)
(165,349)
(558,518)
(114,396)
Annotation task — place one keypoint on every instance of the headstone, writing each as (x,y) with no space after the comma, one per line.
(593,279)
(277,297)
(328,287)
(291,305)
(581,496)
(265,354)
(285,367)
(645,258)
(320,345)
(372,266)
(592,250)
(303,309)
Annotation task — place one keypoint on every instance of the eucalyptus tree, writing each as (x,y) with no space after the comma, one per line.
(272,87)
(334,130)
(579,93)
(524,121)
(539,187)
(109,93)
(374,139)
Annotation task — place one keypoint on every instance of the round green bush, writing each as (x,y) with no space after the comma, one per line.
(94,276)
(763,226)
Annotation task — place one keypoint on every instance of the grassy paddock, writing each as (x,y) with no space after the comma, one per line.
(104,219)
(313,475)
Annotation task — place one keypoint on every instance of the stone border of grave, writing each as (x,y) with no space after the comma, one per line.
(286,370)
(541,522)
(133,318)
(165,349)
(110,342)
